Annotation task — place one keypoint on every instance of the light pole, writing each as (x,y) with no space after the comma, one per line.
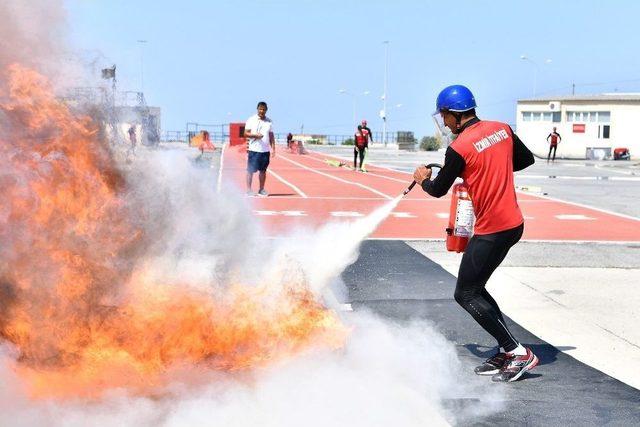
(141,43)
(536,68)
(383,113)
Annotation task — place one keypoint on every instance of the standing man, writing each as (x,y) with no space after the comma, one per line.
(366,132)
(553,144)
(360,145)
(485,154)
(368,137)
(261,142)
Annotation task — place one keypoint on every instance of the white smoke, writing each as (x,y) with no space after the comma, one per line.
(387,374)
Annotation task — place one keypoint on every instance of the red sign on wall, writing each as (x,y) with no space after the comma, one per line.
(578,128)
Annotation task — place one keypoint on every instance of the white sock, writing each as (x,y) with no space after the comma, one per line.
(519,350)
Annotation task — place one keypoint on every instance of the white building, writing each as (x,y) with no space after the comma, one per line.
(591,126)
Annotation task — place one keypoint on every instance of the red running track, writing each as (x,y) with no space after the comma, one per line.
(307,191)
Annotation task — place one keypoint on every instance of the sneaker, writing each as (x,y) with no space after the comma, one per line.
(250,193)
(515,366)
(263,193)
(492,365)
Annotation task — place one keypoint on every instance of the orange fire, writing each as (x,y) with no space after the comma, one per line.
(82,314)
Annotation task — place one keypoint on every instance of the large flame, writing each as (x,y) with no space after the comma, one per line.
(81,311)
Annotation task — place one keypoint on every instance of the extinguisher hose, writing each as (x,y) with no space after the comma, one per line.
(413,184)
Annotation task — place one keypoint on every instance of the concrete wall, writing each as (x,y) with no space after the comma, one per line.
(624,119)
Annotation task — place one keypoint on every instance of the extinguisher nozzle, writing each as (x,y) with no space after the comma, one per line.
(409,188)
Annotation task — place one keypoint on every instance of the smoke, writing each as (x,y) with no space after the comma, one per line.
(90,231)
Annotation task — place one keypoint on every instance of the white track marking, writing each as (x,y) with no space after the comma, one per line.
(351,214)
(403,215)
(373,190)
(294,213)
(281,179)
(586,207)
(571,217)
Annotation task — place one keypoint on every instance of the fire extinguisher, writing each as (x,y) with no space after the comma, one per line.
(460,228)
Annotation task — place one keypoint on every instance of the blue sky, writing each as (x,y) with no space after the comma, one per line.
(206,59)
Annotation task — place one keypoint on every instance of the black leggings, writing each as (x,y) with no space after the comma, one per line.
(483,255)
(554,148)
(356,151)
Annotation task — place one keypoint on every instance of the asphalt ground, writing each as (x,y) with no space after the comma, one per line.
(399,284)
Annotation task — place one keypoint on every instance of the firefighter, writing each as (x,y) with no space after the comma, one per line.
(361,144)
(553,139)
(484,154)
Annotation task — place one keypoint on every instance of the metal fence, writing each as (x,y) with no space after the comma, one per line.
(220,134)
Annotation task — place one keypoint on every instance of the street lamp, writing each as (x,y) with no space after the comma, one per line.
(383,113)
(536,68)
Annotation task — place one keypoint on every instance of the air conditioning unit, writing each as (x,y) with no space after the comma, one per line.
(554,106)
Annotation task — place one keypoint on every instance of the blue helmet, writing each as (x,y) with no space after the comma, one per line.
(455,98)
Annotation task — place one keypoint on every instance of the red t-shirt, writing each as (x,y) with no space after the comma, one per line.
(487,149)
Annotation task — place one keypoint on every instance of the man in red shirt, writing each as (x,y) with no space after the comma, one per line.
(484,154)
(553,139)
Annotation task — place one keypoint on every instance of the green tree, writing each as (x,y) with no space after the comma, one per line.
(430,143)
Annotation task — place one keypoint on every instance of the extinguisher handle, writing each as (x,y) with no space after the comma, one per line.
(413,184)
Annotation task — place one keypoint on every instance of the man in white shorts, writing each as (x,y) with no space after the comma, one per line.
(261,143)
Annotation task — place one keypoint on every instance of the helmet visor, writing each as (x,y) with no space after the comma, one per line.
(445,134)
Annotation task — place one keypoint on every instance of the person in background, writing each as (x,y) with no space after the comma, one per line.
(366,132)
(553,139)
(289,140)
(360,145)
(261,144)
(484,154)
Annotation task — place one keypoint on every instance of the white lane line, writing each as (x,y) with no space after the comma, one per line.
(586,207)
(581,178)
(266,213)
(572,217)
(294,213)
(281,179)
(444,215)
(349,214)
(219,183)
(428,200)
(610,169)
(373,190)
(403,215)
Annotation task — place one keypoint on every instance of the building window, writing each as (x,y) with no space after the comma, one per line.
(589,116)
(546,117)
(526,116)
(556,117)
(605,131)
(536,116)
(604,116)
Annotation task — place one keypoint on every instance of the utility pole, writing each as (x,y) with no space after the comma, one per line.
(384,94)
(573,88)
